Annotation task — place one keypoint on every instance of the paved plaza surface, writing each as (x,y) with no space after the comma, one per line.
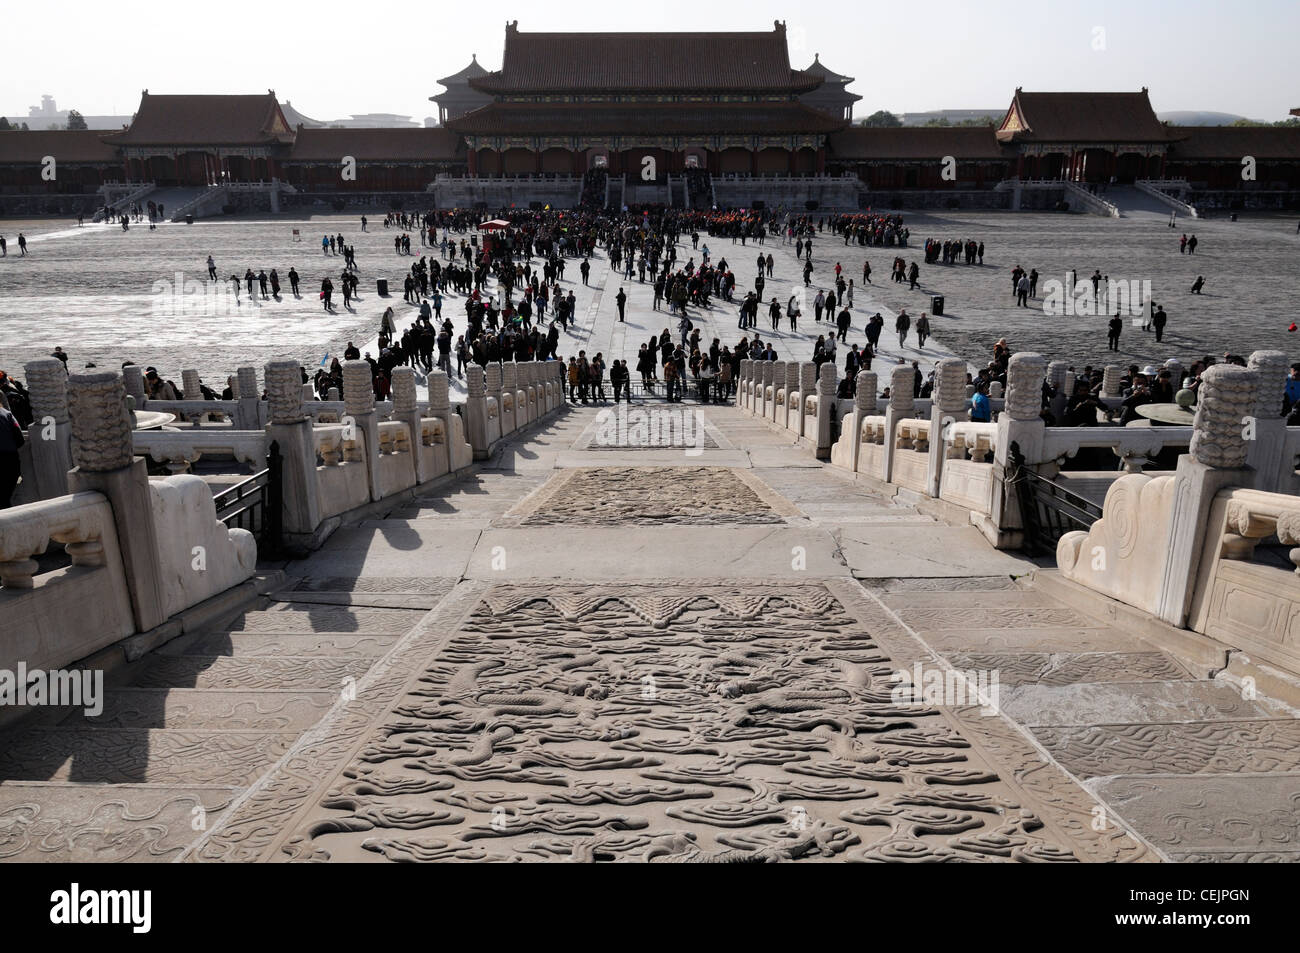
(514,666)
(92,290)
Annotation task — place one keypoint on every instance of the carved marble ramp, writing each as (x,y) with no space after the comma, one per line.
(184,731)
(666,722)
(651,496)
(1200,769)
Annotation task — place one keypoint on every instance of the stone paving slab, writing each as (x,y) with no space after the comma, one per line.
(650,458)
(399,592)
(114,756)
(960,602)
(485,498)
(901,516)
(1240,819)
(1134,703)
(258,674)
(309,619)
(118,823)
(928,618)
(1066,668)
(258,644)
(1016,640)
(1218,747)
(693,552)
(937,550)
(782,457)
(381,600)
(369,584)
(939,584)
(395,547)
(140,708)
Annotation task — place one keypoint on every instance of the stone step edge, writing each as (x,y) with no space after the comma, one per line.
(373,600)
(1203,655)
(223,607)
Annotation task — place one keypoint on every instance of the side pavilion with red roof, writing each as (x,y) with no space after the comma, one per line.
(202,140)
(1086,137)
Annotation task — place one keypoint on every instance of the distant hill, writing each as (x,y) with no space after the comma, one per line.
(1191,117)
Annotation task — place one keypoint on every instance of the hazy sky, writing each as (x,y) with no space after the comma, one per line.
(332,59)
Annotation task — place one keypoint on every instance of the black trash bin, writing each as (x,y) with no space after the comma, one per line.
(381,287)
(1232,217)
(189,219)
(936,305)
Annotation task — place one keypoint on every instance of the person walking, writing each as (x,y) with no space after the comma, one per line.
(1113,329)
(842,322)
(902,325)
(922,330)
(1158,321)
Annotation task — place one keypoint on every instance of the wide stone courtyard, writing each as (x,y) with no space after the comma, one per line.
(92,290)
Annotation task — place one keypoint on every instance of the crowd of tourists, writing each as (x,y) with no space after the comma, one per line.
(513,302)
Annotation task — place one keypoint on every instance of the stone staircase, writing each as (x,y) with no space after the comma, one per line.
(1081,198)
(188,728)
(637,192)
(1197,766)
(1134,203)
(200,202)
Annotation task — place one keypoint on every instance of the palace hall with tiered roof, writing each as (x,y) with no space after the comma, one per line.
(727,103)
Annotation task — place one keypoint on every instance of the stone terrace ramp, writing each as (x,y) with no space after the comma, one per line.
(520,666)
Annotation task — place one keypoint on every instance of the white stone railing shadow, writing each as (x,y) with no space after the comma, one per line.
(46,624)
